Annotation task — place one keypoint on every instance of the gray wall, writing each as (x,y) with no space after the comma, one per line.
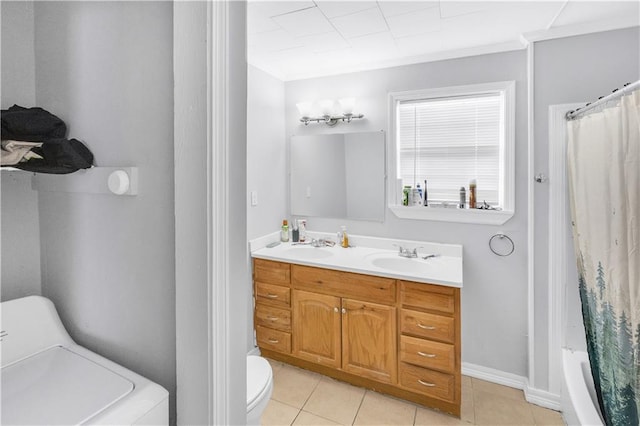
(108,262)
(568,70)
(196,380)
(494,304)
(20,239)
(267,160)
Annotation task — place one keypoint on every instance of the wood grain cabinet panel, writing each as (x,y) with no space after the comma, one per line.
(316,327)
(369,340)
(428,326)
(268,271)
(428,297)
(427,353)
(274,340)
(428,382)
(272,317)
(274,295)
(344,284)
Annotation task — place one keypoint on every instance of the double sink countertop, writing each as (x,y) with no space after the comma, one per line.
(371,256)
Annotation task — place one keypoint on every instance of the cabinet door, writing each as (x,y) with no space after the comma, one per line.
(369,340)
(316,327)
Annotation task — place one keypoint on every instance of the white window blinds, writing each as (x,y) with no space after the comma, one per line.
(449,142)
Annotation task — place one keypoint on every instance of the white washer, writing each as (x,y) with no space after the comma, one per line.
(47,379)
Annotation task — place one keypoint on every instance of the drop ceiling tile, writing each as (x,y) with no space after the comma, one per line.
(324,42)
(423,44)
(333,9)
(380,41)
(449,9)
(304,22)
(259,23)
(580,12)
(362,23)
(273,41)
(414,23)
(393,8)
(269,9)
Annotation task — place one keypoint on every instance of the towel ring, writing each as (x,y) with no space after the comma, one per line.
(501,236)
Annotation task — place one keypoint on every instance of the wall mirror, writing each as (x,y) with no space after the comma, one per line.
(338,175)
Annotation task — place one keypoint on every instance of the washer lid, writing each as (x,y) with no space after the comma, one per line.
(58,386)
(258,378)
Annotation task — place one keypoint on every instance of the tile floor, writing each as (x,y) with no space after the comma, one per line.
(302,397)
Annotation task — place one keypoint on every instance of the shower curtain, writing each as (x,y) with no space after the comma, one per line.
(604,178)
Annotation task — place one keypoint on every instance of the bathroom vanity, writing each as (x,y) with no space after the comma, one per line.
(366,316)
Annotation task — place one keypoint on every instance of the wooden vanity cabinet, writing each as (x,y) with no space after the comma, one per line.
(272,313)
(397,337)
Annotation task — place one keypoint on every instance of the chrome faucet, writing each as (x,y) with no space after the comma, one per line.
(405,252)
(321,242)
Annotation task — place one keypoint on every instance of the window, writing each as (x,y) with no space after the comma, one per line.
(448,137)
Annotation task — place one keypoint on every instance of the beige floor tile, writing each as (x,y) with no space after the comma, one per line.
(467,383)
(546,417)
(481,385)
(335,401)
(378,409)
(308,419)
(492,409)
(467,410)
(277,414)
(424,416)
(293,385)
(275,365)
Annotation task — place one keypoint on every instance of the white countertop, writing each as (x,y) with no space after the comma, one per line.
(367,255)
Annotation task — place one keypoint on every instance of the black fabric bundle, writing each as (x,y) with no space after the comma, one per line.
(60,155)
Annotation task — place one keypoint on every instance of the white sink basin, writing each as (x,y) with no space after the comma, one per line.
(308,252)
(397,263)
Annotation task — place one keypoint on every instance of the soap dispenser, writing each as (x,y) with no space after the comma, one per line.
(345,237)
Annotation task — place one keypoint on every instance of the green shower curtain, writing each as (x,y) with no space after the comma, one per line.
(604,179)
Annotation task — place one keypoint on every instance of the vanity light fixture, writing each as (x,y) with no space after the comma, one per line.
(327,116)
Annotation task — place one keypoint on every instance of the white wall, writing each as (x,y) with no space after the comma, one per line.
(108,262)
(20,239)
(567,70)
(494,304)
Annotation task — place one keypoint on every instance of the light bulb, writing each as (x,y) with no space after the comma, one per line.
(304,108)
(347,105)
(326,106)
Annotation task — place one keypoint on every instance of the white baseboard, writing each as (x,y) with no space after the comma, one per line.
(535,396)
(543,398)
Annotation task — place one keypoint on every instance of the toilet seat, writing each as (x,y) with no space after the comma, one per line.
(259,377)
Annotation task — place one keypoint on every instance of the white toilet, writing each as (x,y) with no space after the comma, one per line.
(259,387)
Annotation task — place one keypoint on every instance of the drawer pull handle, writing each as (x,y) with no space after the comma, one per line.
(273,318)
(426,327)
(274,341)
(426,355)
(430,385)
(272,296)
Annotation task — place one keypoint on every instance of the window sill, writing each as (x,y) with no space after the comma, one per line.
(440,214)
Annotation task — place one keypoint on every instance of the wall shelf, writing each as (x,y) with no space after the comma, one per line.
(90,181)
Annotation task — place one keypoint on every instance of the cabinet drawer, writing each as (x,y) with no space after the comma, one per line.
(429,297)
(429,354)
(344,284)
(427,325)
(428,382)
(275,295)
(272,317)
(275,340)
(268,271)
